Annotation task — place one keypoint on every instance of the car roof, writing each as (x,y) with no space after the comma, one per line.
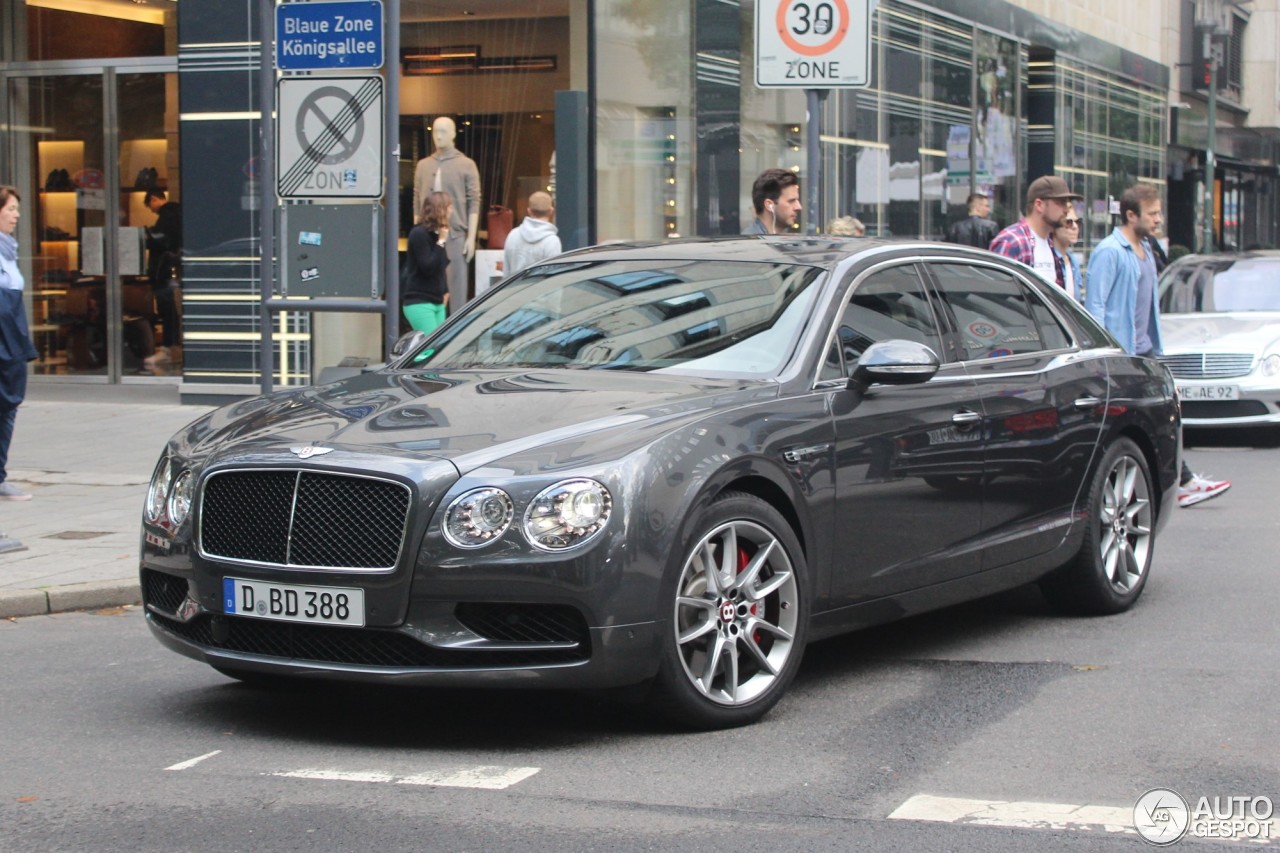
(1231,257)
(820,250)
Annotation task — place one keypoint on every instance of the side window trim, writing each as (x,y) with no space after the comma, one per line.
(845,292)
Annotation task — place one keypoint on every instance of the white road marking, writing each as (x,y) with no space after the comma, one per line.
(1019,815)
(488,778)
(1064,816)
(339,775)
(192,762)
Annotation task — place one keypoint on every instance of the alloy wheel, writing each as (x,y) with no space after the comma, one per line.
(736,612)
(1125,517)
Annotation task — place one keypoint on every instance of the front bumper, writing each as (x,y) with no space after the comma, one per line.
(441,643)
(1246,412)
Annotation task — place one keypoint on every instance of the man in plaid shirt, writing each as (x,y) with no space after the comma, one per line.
(1027,240)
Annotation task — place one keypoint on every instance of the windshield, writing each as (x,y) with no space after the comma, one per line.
(693,317)
(1249,284)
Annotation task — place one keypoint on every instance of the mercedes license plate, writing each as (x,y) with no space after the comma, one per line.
(1209,392)
(322,605)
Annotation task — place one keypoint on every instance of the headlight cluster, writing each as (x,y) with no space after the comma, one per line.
(170,494)
(1271,365)
(560,517)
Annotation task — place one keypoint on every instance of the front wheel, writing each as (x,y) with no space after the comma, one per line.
(1110,570)
(739,616)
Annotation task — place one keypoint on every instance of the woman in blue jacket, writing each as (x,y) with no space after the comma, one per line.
(15,339)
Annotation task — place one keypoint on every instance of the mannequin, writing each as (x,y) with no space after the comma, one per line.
(449,170)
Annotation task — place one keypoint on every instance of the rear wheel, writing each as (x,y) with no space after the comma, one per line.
(739,616)
(1110,570)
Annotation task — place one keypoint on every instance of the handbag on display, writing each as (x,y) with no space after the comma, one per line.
(499,222)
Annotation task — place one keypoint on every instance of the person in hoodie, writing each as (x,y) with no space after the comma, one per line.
(535,240)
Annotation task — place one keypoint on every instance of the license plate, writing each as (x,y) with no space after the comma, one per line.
(324,605)
(1209,392)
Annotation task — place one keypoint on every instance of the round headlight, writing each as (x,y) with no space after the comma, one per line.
(478,517)
(180,498)
(1271,365)
(567,514)
(157,490)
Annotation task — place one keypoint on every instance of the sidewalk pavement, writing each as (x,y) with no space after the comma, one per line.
(86,454)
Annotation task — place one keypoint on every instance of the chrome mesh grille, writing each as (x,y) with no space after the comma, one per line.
(1209,365)
(303,519)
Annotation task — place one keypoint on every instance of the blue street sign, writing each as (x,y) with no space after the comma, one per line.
(339,35)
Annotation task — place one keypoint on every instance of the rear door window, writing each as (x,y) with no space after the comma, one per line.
(996,313)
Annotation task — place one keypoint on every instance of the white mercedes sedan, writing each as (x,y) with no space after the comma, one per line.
(1220,319)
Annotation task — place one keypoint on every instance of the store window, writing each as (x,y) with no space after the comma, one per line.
(644,119)
(939,120)
(94,29)
(493,77)
(1113,139)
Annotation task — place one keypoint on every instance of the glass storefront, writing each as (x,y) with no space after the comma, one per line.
(1114,138)
(91,106)
(675,131)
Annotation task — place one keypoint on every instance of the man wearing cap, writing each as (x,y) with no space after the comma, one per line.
(1027,240)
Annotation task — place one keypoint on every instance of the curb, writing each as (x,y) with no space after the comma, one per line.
(76,596)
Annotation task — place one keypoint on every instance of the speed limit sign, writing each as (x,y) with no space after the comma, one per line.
(813,44)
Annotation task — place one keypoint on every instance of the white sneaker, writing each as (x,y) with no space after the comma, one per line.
(1199,489)
(10,492)
(161,356)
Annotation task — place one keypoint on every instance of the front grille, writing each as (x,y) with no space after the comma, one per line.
(1223,408)
(1209,365)
(163,591)
(372,647)
(303,519)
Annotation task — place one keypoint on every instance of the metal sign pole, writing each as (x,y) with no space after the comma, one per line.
(391,236)
(266,188)
(813,134)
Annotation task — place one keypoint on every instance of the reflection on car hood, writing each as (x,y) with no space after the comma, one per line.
(1251,332)
(471,417)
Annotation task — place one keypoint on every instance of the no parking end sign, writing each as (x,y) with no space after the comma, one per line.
(329,137)
(813,44)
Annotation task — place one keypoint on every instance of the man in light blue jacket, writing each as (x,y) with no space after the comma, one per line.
(1122,275)
(1122,295)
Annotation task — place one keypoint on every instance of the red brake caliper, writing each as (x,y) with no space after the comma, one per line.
(743,559)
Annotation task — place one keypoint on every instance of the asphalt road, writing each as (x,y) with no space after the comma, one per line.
(110,742)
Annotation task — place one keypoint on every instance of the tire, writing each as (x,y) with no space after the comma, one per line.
(738,625)
(1110,571)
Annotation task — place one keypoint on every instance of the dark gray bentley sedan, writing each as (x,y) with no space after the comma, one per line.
(668,467)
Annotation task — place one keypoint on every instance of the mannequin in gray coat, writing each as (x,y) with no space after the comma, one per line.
(449,170)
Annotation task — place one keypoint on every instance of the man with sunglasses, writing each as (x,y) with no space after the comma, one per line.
(1028,240)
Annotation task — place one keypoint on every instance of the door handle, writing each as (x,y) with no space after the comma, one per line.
(1084,404)
(966,420)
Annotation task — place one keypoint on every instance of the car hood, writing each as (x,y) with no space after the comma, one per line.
(1251,332)
(471,418)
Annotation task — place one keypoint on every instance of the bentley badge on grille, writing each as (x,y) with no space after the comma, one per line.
(309,450)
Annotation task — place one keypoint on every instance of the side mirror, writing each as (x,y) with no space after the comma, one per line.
(408,342)
(894,362)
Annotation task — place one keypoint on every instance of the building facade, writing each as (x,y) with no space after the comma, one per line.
(641,115)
